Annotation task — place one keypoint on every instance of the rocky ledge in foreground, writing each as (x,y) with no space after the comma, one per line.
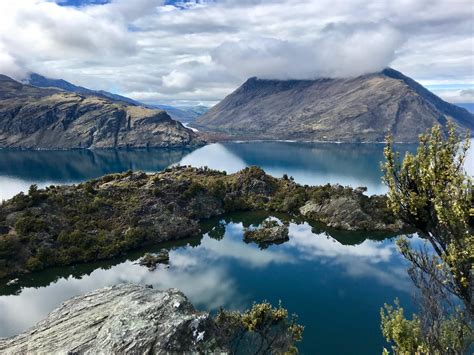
(103,218)
(135,319)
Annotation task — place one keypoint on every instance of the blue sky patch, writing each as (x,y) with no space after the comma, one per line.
(182,4)
(81,2)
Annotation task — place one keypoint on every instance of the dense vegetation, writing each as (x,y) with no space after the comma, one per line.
(106,217)
(431,192)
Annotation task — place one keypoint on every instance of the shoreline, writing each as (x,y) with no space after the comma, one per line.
(192,147)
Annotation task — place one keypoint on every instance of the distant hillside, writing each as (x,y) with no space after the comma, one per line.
(183,114)
(48,118)
(361,109)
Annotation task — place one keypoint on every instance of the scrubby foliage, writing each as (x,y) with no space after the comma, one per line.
(431,192)
(263,329)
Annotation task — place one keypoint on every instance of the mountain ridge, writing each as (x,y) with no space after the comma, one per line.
(359,109)
(49,118)
(183,114)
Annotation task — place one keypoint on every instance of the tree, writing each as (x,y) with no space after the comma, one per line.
(431,192)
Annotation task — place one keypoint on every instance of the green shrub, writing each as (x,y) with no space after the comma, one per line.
(193,190)
(34,264)
(30,224)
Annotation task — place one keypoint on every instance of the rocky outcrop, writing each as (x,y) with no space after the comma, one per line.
(118,320)
(347,212)
(269,232)
(36,118)
(361,109)
(152,260)
(136,319)
(105,217)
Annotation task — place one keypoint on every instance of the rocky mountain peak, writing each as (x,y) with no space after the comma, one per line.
(359,109)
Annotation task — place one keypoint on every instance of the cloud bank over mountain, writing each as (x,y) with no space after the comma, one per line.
(160,51)
(341,50)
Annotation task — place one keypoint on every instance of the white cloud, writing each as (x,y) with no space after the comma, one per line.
(202,50)
(176,80)
(341,50)
(457,96)
(44,31)
(9,65)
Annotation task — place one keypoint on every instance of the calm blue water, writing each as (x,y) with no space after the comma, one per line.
(335,281)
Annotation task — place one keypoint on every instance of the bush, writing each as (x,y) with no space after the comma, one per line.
(193,190)
(34,264)
(30,224)
(265,327)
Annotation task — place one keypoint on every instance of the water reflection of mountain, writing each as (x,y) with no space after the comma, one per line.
(76,165)
(359,161)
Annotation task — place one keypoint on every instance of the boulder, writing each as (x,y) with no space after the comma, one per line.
(126,318)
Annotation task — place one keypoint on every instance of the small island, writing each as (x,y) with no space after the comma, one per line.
(105,217)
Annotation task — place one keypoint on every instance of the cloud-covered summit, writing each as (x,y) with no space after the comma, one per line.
(162,51)
(340,50)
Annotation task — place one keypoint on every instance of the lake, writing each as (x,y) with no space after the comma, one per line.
(308,163)
(335,281)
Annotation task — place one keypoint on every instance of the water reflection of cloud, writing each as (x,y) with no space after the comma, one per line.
(376,260)
(244,253)
(230,247)
(311,245)
(207,288)
(393,276)
(204,273)
(215,156)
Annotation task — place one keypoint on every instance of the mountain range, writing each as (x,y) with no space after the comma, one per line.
(360,109)
(55,114)
(184,114)
(50,118)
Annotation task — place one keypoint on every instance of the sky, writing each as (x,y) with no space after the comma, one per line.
(197,52)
